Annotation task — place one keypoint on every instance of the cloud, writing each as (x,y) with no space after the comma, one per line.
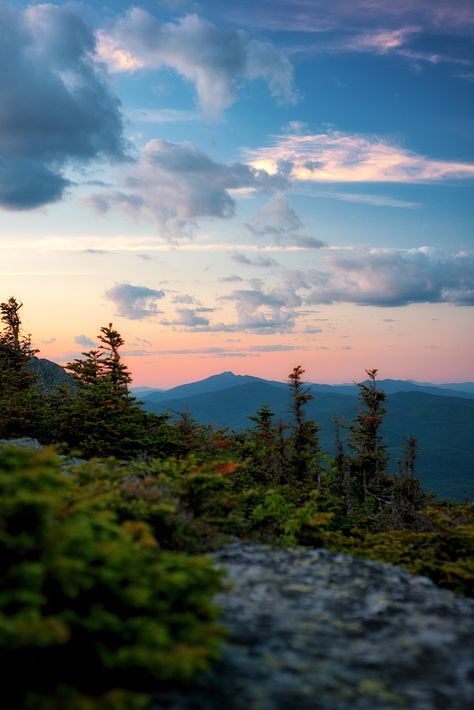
(215,59)
(341,157)
(164,115)
(192,319)
(317,16)
(56,108)
(260,261)
(275,348)
(279,221)
(381,41)
(231,278)
(176,183)
(393,277)
(134,302)
(358,197)
(85,341)
(260,312)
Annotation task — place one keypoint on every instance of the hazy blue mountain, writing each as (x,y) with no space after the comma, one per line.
(225,380)
(143,390)
(391,386)
(458,386)
(442,425)
(222,381)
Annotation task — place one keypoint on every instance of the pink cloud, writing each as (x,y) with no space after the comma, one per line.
(340,157)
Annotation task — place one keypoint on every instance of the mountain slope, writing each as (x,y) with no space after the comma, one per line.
(49,375)
(222,381)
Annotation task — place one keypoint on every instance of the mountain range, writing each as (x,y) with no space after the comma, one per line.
(440,417)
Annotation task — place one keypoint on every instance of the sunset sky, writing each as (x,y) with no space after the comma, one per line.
(243,186)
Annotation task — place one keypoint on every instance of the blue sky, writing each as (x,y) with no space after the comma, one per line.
(246,185)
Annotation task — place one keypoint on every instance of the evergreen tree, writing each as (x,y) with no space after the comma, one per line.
(369,454)
(409,501)
(102,418)
(304,440)
(22,408)
(260,446)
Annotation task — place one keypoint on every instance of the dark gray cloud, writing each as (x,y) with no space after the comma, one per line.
(215,59)
(134,302)
(56,108)
(390,277)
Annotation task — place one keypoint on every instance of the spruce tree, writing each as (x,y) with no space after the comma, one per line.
(102,418)
(369,454)
(260,446)
(304,441)
(22,408)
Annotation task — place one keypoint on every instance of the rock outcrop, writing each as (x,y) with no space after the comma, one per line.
(311,629)
(49,375)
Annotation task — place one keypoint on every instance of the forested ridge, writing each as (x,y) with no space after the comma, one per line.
(105,560)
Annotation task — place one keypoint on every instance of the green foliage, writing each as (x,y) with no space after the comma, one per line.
(88,602)
(369,456)
(278,518)
(303,461)
(101,418)
(22,408)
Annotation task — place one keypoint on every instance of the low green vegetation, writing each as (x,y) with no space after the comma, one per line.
(104,592)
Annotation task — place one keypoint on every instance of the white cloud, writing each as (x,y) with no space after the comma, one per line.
(214,59)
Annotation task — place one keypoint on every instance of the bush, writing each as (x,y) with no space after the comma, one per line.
(445,553)
(89,606)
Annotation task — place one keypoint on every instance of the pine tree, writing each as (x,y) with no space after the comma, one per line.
(304,440)
(102,418)
(260,446)
(409,501)
(22,408)
(369,454)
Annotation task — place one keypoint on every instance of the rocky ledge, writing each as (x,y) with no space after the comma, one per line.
(310,629)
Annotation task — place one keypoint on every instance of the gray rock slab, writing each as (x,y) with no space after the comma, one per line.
(311,629)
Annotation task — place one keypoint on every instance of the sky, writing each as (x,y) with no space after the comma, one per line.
(243,186)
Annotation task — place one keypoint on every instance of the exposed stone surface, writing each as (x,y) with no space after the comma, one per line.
(66,461)
(310,629)
(49,375)
(23,442)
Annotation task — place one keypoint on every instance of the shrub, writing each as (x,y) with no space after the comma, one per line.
(90,608)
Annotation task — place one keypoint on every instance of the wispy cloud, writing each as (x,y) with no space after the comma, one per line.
(85,341)
(261,261)
(279,221)
(340,157)
(318,16)
(164,115)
